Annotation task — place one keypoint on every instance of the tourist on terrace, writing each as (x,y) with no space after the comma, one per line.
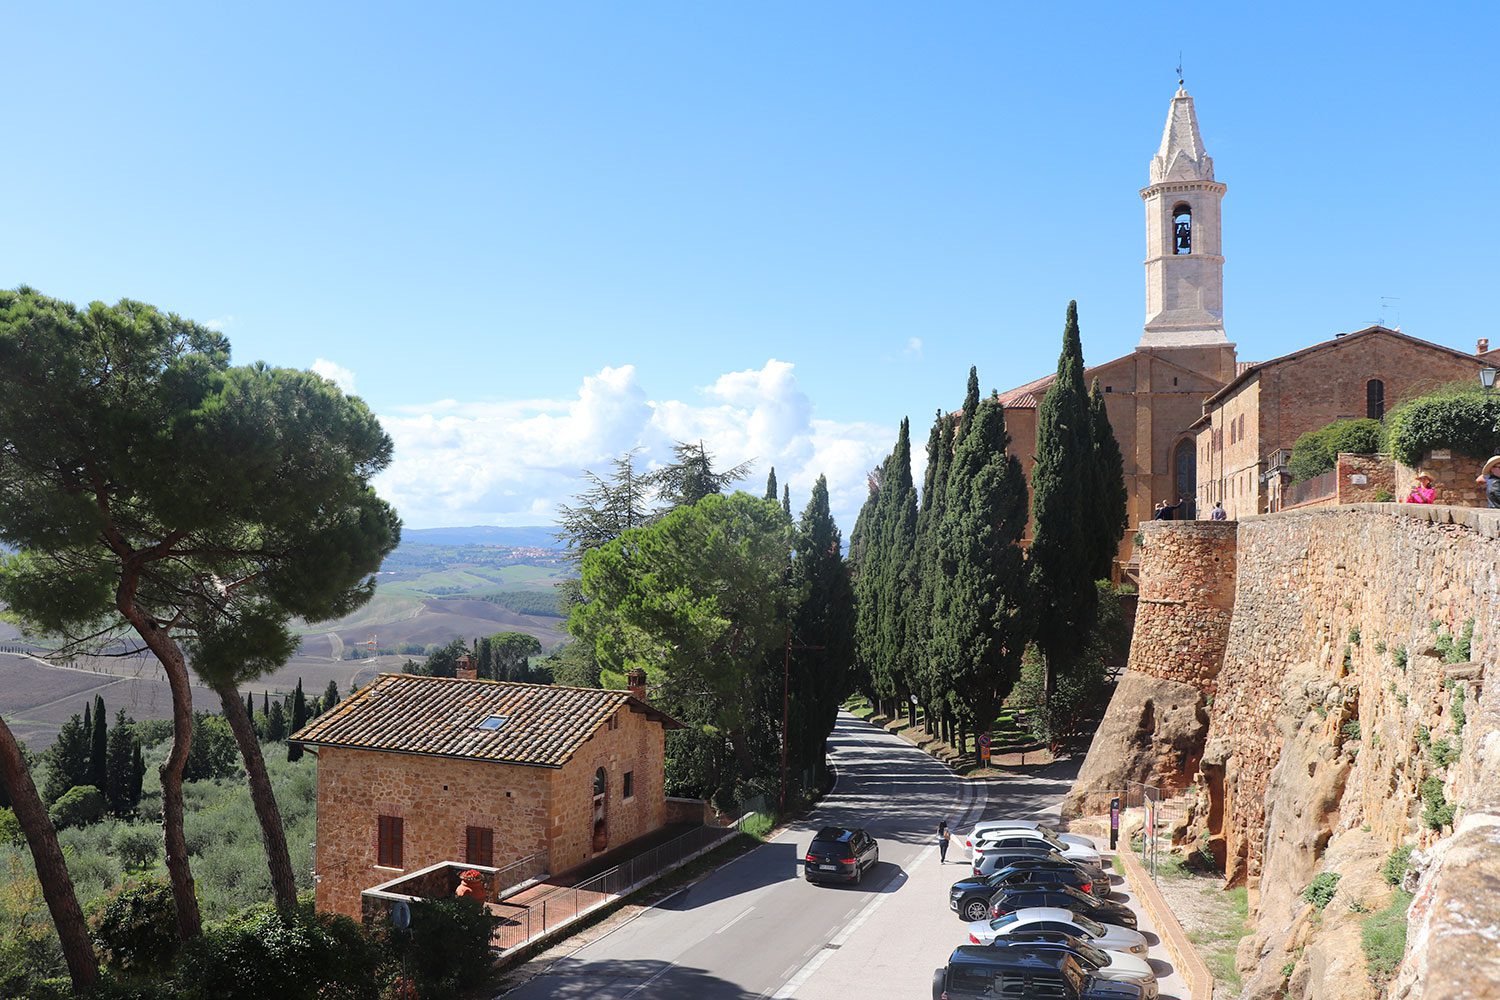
(1422,490)
(1489,478)
(1166,511)
(1219,513)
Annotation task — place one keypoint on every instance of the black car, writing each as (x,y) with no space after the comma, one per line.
(1020,897)
(1010,855)
(985,973)
(970,897)
(840,855)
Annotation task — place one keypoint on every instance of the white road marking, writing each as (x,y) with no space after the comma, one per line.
(660,972)
(736,920)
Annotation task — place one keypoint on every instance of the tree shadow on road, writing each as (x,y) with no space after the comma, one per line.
(571,979)
(766,865)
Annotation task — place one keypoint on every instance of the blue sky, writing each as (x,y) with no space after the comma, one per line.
(531,236)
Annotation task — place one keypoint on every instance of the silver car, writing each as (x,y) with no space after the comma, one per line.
(998,841)
(1110,937)
(983,830)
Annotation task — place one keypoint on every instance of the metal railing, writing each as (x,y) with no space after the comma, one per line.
(519,872)
(1147,798)
(1316,488)
(520,922)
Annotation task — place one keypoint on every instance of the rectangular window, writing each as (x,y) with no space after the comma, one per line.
(614,721)
(630,784)
(390,836)
(480,849)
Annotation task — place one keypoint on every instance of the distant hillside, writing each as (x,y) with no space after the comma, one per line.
(533,536)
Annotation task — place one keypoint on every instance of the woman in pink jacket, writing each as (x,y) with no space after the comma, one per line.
(1421,490)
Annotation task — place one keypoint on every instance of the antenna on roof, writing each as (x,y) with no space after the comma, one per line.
(1179,68)
(1385,301)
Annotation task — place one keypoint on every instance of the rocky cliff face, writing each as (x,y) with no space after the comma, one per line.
(1353,716)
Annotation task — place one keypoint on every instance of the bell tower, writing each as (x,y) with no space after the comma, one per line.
(1184,254)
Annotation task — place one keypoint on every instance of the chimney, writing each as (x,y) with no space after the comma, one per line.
(635,681)
(466,670)
(1484,346)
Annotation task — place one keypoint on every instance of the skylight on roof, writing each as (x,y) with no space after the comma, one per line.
(494,722)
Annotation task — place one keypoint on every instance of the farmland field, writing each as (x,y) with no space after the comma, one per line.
(427,595)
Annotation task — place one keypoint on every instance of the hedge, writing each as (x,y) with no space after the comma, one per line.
(1460,417)
(1317,452)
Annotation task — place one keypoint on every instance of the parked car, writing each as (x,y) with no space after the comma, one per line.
(1114,966)
(986,829)
(838,854)
(970,897)
(1110,937)
(1065,897)
(990,973)
(1006,840)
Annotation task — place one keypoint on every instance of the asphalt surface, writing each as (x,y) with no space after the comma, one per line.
(757,929)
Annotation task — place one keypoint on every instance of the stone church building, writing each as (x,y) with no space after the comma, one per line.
(1194,422)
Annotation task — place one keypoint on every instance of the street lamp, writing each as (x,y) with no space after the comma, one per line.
(1487,377)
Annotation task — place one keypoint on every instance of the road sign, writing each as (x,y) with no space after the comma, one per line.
(984,754)
(984,741)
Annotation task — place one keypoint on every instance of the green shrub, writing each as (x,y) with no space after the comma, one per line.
(1396,864)
(1443,752)
(135,928)
(1437,811)
(1461,417)
(137,847)
(1383,936)
(1399,658)
(1354,635)
(1456,650)
(1379,647)
(1351,730)
(10,828)
(78,806)
(1383,495)
(1316,452)
(259,953)
(1460,714)
(1320,891)
(758,825)
(447,949)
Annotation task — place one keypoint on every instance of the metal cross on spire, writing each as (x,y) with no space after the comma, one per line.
(1179,68)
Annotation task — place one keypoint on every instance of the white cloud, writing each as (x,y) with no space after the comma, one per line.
(914,346)
(335,373)
(513,462)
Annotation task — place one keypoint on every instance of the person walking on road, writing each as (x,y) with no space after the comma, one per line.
(943,841)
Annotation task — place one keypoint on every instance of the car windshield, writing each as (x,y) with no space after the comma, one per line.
(1000,922)
(1072,892)
(1050,838)
(1089,927)
(1095,957)
(826,848)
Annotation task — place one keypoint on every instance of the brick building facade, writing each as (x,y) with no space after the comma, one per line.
(413,771)
(1269,405)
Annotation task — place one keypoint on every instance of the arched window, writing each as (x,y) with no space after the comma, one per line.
(1185,464)
(601,810)
(601,781)
(1375,399)
(1182,229)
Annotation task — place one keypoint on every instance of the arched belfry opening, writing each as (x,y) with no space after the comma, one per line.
(1182,229)
(1185,469)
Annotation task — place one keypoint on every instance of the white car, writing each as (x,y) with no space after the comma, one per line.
(1101,963)
(987,828)
(1110,937)
(988,850)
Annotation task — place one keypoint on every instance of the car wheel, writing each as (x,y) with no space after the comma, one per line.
(976,909)
(859,873)
(939,983)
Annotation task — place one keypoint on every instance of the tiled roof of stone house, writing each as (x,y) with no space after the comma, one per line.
(543,725)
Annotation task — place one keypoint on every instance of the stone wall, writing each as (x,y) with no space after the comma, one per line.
(1453,478)
(1376,471)
(437,799)
(637,746)
(1153,729)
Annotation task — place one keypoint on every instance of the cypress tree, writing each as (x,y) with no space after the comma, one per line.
(331,695)
(119,777)
(299,719)
(893,664)
(823,619)
(265,703)
(1062,558)
(771,490)
(982,599)
(931,673)
(68,758)
(99,746)
(137,771)
(250,706)
(1105,506)
(866,546)
(276,723)
(786,500)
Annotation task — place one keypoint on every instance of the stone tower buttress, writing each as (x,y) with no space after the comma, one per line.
(1184,251)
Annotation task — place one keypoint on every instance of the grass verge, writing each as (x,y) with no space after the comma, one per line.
(1383,935)
(1218,942)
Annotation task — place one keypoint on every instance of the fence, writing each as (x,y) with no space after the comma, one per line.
(1146,798)
(554,906)
(1316,488)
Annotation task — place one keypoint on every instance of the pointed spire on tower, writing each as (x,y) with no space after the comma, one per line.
(1181,156)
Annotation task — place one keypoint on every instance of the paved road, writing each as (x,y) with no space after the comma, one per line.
(756,929)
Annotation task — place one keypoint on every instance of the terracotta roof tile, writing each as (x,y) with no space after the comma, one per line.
(403,713)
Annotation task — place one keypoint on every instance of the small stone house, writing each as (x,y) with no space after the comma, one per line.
(413,771)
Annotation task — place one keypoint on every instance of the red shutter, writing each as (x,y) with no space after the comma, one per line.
(480,849)
(390,830)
